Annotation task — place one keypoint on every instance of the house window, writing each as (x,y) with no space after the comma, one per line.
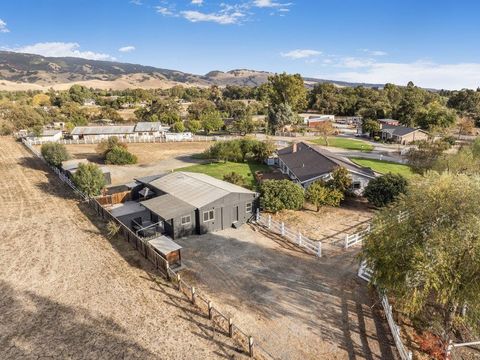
(248,207)
(357,185)
(208,215)
(186,220)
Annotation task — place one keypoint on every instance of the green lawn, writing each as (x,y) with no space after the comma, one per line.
(345,143)
(384,167)
(218,169)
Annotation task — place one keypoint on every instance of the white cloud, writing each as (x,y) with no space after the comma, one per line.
(164,11)
(228,15)
(269,4)
(301,54)
(61,49)
(197,2)
(136,2)
(422,73)
(127,48)
(375,52)
(3,27)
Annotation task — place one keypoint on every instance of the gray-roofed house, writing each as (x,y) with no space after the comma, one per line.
(49,135)
(305,164)
(191,203)
(402,134)
(102,132)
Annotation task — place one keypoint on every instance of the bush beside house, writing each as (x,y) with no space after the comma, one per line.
(385,189)
(279,195)
(89,179)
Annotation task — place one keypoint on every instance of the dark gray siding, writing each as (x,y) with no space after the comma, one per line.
(179,230)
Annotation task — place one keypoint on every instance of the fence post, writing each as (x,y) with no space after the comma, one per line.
(346,241)
(282,229)
(193,295)
(299,238)
(269,221)
(319,249)
(257,215)
(250,346)
(230,327)
(210,312)
(167,268)
(179,280)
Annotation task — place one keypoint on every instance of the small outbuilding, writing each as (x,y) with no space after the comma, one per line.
(191,203)
(402,134)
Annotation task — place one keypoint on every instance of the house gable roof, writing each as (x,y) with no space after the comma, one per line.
(102,130)
(196,189)
(310,162)
(400,130)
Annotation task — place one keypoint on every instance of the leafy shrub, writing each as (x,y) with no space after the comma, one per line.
(319,194)
(54,153)
(108,144)
(241,150)
(178,127)
(234,178)
(278,195)
(385,189)
(89,179)
(120,156)
(341,180)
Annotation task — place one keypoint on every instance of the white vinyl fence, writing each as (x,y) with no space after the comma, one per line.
(357,238)
(365,273)
(295,237)
(138,139)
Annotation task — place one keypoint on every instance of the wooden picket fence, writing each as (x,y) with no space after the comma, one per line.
(224,323)
(294,237)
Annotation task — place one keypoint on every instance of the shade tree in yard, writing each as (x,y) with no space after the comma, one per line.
(385,189)
(277,195)
(54,153)
(89,179)
(429,263)
(319,194)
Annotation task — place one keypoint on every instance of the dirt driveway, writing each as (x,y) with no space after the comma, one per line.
(69,292)
(297,306)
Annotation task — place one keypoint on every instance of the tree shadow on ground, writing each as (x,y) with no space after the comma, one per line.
(34,326)
(321,296)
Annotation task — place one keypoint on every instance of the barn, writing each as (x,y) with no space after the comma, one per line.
(191,203)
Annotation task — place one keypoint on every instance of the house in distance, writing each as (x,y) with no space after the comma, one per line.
(305,164)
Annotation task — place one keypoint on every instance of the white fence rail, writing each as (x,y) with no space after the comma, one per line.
(405,354)
(357,238)
(138,139)
(311,246)
(365,273)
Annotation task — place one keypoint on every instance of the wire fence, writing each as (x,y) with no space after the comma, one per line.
(224,323)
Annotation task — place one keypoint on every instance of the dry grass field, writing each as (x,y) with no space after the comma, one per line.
(69,292)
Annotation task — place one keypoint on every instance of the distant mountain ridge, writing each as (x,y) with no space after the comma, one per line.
(20,71)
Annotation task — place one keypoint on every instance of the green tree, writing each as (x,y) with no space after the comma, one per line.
(277,195)
(200,108)
(430,262)
(425,155)
(178,127)
(287,89)
(319,194)
(280,116)
(385,189)
(211,121)
(340,180)
(89,179)
(118,155)
(193,126)
(435,115)
(54,153)
(106,145)
(370,126)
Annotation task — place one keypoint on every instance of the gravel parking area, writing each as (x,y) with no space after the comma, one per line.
(297,306)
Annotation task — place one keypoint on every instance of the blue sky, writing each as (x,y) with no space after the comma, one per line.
(433,43)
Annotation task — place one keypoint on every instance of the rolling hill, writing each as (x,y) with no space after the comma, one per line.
(20,71)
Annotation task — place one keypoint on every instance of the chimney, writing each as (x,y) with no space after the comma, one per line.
(294,147)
